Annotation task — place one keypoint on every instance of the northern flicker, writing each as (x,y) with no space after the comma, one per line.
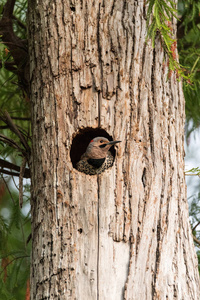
(97,157)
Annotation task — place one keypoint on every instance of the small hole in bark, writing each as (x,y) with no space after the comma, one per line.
(73,8)
(82,139)
(80,230)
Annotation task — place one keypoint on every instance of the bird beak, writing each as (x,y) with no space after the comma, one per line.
(113,142)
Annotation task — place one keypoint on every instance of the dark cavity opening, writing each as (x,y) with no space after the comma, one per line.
(82,139)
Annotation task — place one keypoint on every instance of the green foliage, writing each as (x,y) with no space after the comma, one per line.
(159,16)
(15,224)
(159,24)
(15,228)
(193,171)
(19,23)
(18,106)
(12,98)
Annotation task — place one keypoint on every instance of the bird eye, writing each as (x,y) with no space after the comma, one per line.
(101,141)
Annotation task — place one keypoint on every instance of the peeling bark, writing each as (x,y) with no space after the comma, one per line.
(124,234)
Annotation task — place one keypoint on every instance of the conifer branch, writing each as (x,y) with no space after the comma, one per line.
(22,25)
(193,229)
(10,66)
(13,127)
(11,166)
(10,262)
(8,189)
(196,240)
(21,176)
(10,142)
(9,173)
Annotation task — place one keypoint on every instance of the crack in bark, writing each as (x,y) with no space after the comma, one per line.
(151,134)
(112,8)
(56,113)
(124,9)
(98,238)
(129,266)
(158,256)
(127,210)
(143,57)
(85,27)
(99,48)
(151,120)
(138,237)
(152,72)
(144,177)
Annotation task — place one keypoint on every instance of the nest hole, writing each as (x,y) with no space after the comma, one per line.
(82,139)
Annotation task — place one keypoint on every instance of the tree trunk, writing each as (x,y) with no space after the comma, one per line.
(124,234)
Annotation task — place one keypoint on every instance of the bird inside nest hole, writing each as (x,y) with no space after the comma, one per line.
(92,151)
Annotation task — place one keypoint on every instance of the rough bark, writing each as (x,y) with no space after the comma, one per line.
(124,234)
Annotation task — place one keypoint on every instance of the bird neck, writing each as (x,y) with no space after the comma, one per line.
(97,153)
(96,162)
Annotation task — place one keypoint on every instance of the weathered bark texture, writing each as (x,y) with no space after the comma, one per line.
(124,234)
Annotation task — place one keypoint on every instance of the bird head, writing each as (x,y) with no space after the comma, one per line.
(98,147)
